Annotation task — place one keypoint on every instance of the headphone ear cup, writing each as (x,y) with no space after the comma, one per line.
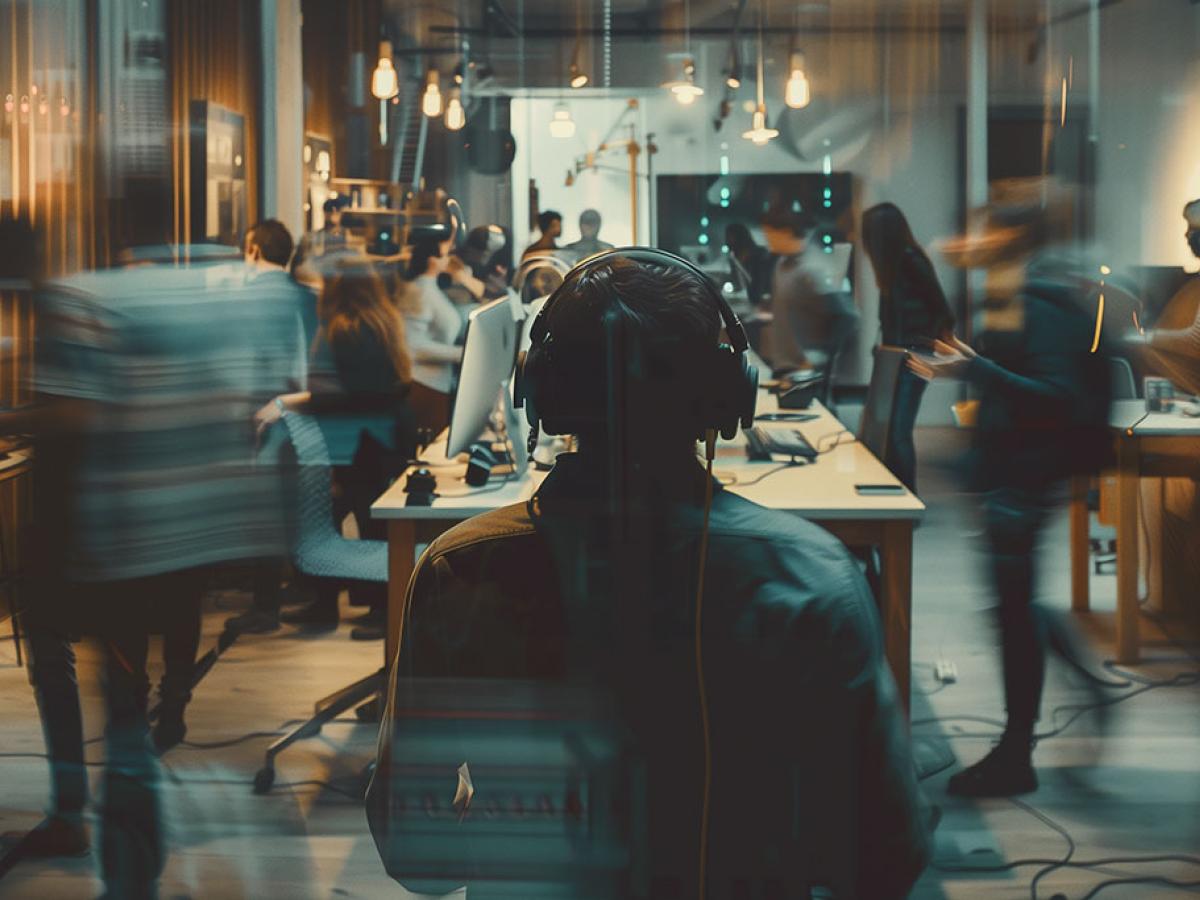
(732,393)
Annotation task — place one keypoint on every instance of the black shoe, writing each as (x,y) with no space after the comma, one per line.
(314,616)
(1005,772)
(56,836)
(170,729)
(255,621)
(367,633)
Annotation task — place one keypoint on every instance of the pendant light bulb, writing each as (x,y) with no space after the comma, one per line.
(685,90)
(797,92)
(385,83)
(456,116)
(759,134)
(431,102)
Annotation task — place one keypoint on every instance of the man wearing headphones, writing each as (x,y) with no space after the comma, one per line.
(738,648)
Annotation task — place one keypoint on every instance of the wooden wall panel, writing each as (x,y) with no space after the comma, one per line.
(213,48)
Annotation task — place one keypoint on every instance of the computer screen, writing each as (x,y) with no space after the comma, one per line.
(489,353)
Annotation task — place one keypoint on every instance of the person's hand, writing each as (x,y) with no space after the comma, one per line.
(267,416)
(949,360)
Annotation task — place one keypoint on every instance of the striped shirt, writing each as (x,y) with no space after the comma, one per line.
(173,362)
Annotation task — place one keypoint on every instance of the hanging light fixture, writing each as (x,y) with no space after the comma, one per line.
(561,124)
(796,92)
(759,134)
(456,116)
(685,89)
(431,101)
(579,78)
(385,83)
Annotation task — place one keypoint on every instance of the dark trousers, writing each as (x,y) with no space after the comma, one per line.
(1014,519)
(122,614)
(902,452)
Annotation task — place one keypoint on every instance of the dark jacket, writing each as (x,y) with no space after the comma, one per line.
(914,310)
(1044,394)
(812,781)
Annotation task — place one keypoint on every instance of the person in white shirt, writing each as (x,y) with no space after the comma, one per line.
(432,321)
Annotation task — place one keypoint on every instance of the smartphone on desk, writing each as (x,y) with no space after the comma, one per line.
(879,490)
(786,417)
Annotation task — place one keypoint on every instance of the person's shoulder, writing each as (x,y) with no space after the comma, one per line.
(785,534)
(501,524)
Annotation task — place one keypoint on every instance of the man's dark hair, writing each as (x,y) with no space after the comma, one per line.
(657,324)
(784,219)
(545,219)
(273,239)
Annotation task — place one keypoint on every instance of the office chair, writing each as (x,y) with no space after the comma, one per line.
(322,553)
(1102,539)
(875,429)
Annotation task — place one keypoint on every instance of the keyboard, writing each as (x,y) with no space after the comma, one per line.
(761,444)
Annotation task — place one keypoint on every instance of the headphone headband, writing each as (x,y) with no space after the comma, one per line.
(651,256)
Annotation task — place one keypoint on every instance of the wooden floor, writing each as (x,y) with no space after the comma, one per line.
(1136,792)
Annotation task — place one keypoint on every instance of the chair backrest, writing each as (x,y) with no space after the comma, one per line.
(875,429)
(1124,385)
(314,482)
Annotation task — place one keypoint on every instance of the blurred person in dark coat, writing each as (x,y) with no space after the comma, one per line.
(1044,397)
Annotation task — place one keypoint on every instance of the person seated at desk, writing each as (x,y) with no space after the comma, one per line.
(701,616)
(749,263)
(814,317)
(364,333)
(1175,351)
(432,325)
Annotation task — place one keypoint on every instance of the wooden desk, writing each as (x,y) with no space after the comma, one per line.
(1148,445)
(822,491)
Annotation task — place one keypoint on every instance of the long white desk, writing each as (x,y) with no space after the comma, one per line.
(821,491)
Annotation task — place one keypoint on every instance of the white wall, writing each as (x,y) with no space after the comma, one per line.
(1147,127)
(547,159)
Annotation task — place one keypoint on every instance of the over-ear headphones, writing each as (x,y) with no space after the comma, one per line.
(728,380)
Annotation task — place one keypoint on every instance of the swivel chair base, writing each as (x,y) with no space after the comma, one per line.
(363,693)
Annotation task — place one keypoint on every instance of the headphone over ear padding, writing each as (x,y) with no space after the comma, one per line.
(729,381)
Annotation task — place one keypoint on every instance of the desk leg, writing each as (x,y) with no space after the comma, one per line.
(1127,550)
(1080,601)
(402,547)
(895,602)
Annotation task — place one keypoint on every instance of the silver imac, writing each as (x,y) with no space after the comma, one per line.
(489,353)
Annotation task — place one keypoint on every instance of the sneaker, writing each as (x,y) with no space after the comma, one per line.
(1002,773)
(255,621)
(56,836)
(314,616)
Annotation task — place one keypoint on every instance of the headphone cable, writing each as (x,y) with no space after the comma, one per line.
(710,450)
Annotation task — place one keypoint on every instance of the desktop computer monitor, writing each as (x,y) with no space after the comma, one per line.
(489,354)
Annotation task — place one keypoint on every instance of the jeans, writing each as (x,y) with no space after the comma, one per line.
(901,451)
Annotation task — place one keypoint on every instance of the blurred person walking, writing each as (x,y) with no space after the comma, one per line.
(912,312)
(1044,397)
(153,372)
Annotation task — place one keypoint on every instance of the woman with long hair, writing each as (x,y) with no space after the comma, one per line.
(362,334)
(913,312)
(433,325)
